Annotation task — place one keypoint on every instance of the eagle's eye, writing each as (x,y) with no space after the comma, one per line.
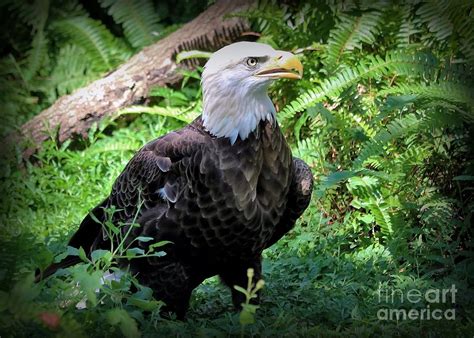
(251,62)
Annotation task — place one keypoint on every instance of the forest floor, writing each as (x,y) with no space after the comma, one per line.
(315,282)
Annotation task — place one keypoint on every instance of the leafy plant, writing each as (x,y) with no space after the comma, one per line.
(97,284)
(138,18)
(247,314)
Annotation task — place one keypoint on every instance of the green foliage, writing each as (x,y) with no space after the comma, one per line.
(97,284)
(52,47)
(349,33)
(377,123)
(247,314)
(372,67)
(93,38)
(71,71)
(138,19)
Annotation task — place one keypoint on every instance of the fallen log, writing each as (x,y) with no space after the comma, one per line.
(73,114)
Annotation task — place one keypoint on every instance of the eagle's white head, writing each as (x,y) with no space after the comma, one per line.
(235,82)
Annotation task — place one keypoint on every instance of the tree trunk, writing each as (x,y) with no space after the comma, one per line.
(129,84)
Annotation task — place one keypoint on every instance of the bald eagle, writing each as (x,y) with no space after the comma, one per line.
(221,189)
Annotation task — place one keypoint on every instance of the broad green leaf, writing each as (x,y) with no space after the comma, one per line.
(82,255)
(246,318)
(101,254)
(240,289)
(146,305)
(89,282)
(144,239)
(159,244)
(130,253)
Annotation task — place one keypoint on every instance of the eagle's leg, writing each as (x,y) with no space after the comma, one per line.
(173,284)
(235,273)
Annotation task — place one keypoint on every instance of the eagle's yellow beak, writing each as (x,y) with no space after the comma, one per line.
(284,65)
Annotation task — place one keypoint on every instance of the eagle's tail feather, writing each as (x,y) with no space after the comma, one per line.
(88,232)
(65,263)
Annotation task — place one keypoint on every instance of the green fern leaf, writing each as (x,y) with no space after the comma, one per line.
(443,91)
(32,13)
(364,187)
(436,209)
(393,130)
(465,28)
(176,113)
(37,56)
(367,194)
(372,66)
(350,33)
(311,151)
(138,18)
(96,41)
(407,27)
(381,212)
(332,180)
(433,15)
(71,71)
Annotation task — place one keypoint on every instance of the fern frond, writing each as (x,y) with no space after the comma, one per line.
(311,151)
(138,18)
(266,14)
(450,24)
(70,72)
(433,15)
(176,113)
(349,33)
(435,209)
(92,37)
(466,33)
(407,27)
(447,111)
(443,91)
(381,212)
(467,46)
(372,66)
(32,13)
(68,9)
(332,180)
(368,130)
(364,186)
(412,156)
(11,78)
(37,56)
(456,73)
(367,194)
(116,146)
(393,130)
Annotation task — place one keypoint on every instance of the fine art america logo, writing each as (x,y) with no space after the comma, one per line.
(430,304)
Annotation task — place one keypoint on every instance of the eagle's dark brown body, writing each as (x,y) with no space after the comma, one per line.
(220,204)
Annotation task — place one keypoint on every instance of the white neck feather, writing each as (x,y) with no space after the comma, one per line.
(234,111)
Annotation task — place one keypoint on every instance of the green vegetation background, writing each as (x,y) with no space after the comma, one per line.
(384,116)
